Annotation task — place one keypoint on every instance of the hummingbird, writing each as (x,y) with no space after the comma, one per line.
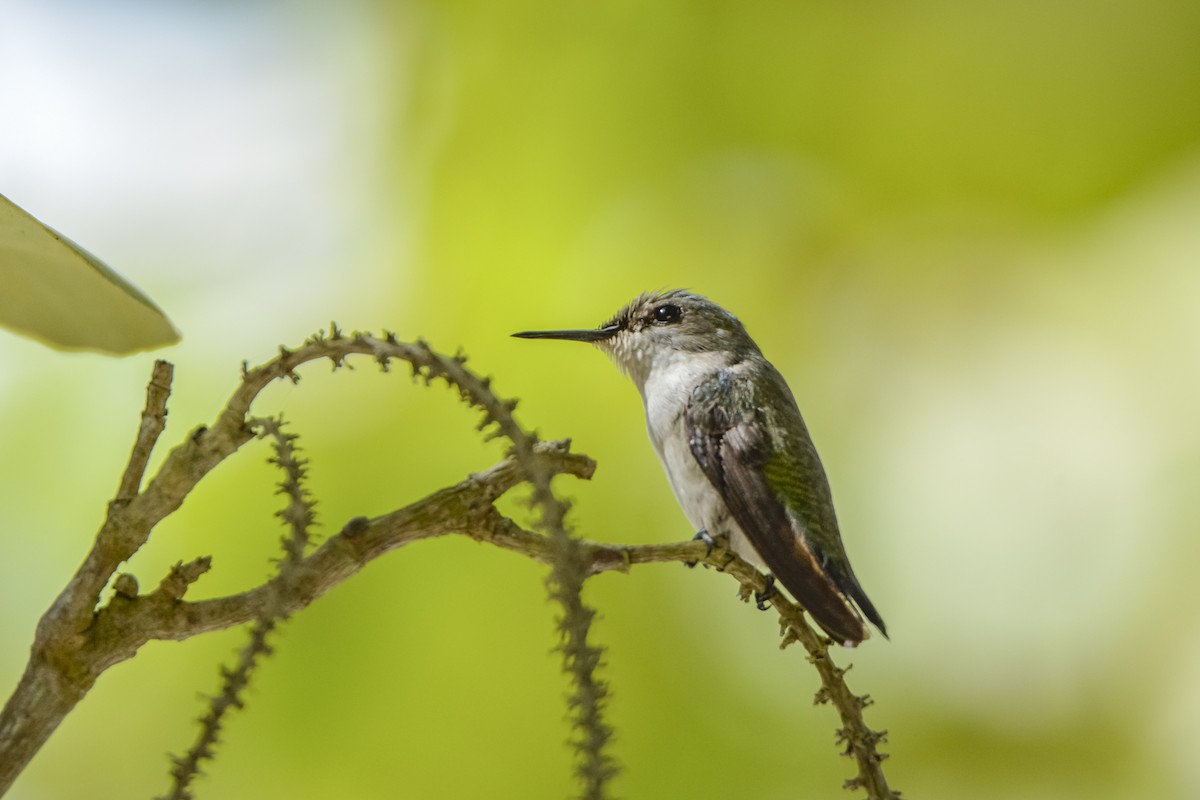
(736,451)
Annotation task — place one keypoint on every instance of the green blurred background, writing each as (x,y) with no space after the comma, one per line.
(968,234)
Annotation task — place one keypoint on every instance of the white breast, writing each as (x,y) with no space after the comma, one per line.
(666,391)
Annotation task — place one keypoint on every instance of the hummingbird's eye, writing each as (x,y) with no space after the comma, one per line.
(667,314)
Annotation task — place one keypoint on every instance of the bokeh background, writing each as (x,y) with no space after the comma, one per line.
(968,234)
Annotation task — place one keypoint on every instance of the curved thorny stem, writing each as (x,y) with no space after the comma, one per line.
(299,516)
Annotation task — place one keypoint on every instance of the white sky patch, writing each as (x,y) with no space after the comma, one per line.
(223,157)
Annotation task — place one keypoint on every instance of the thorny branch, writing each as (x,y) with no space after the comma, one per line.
(78,637)
(299,516)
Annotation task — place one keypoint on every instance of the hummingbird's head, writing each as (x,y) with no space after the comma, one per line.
(655,329)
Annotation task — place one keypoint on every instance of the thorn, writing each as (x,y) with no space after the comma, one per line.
(789,636)
(744,591)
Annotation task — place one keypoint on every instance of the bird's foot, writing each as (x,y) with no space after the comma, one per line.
(710,542)
(761,598)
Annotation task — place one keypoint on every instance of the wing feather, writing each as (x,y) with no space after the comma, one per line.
(733,452)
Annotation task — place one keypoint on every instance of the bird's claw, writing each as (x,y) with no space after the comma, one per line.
(710,542)
(761,598)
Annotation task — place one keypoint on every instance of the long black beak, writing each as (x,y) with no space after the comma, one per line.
(594,335)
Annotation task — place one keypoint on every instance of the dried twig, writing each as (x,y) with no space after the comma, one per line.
(154,420)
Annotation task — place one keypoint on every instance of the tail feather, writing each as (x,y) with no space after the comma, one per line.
(849,585)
